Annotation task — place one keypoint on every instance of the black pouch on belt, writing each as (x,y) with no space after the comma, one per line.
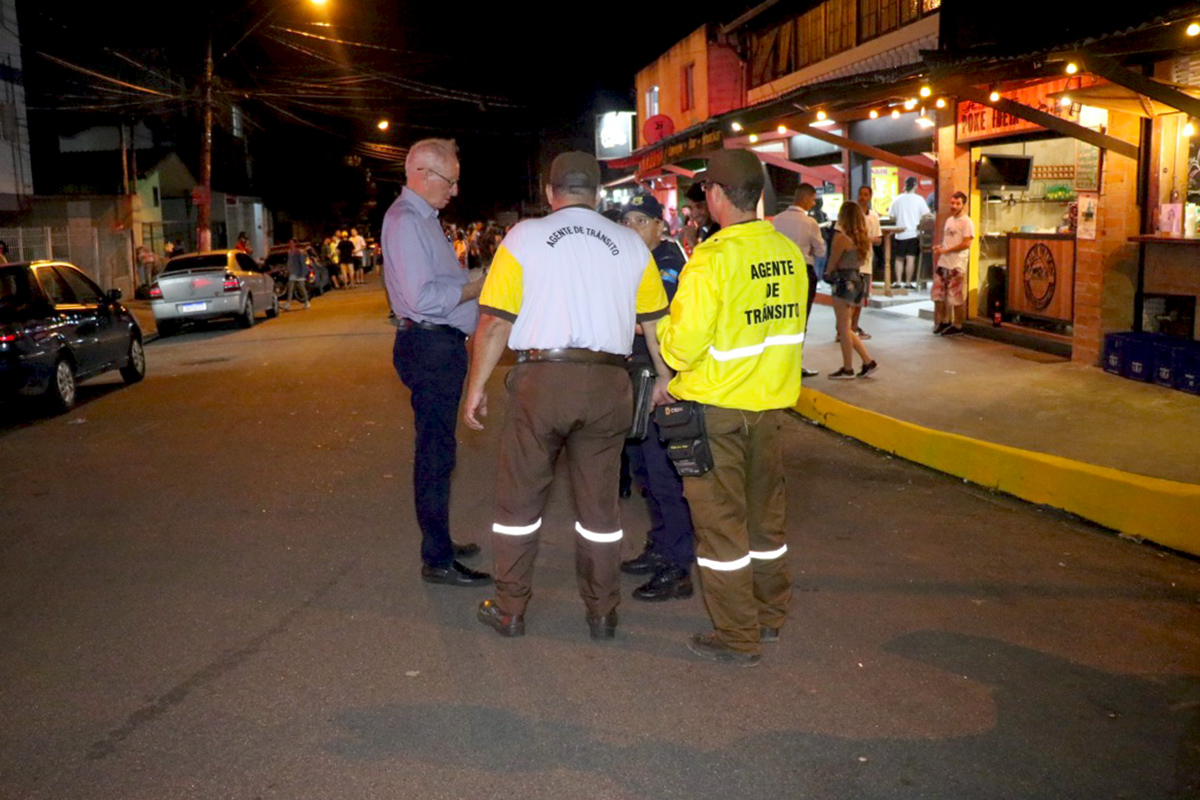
(681,428)
(642,377)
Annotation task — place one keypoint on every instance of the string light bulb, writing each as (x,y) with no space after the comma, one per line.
(874,114)
(383,124)
(941,102)
(910,104)
(782,129)
(753,138)
(1193,29)
(1072,68)
(895,113)
(994,96)
(926,91)
(821,115)
(1189,130)
(737,127)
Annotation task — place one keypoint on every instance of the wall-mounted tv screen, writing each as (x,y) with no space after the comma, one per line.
(1003,172)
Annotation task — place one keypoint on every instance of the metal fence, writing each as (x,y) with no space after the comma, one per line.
(105,255)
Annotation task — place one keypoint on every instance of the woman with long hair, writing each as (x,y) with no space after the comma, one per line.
(850,248)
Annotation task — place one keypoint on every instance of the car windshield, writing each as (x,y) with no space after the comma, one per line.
(16,292)
(216,261)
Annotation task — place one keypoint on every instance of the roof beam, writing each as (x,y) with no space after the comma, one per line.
(1168,96)
(1048,121)
(862,149)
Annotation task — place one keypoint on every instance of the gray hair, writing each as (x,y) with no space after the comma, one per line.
(430,151)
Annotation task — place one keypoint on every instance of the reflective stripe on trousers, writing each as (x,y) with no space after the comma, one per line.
(744,561)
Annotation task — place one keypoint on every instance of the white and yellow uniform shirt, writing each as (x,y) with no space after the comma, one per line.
(573,279)
(737,321)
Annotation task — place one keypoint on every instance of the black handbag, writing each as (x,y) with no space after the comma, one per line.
(681,429)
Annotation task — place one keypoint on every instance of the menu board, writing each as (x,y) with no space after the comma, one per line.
(1087,167)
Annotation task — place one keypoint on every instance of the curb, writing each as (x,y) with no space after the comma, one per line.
(1162,511)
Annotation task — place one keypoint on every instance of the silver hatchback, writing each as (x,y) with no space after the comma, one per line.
(212,285)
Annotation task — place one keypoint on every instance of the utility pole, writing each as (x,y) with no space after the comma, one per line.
(204,201)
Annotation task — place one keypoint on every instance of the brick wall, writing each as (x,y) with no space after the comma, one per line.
(1106,268)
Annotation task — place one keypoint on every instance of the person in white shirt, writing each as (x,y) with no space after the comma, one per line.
(875,232)
(797,225)
(907,209)
(949,278)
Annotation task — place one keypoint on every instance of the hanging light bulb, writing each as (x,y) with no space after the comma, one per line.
(737,127)
(994,96)
(753,138)
(926,91)
(1193,29)
(941,102)
(821,115)
(1072,68)
(874,114)
(895,113)
(1189,130)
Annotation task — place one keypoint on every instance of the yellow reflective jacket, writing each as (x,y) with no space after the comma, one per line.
(736,327)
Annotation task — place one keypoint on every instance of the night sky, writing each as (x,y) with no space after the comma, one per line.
(500,78)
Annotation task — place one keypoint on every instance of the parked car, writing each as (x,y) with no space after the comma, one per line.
(211,285)
(57,327)
(319,280)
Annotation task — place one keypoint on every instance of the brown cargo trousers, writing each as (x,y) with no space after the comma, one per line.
(586,410)
(738,511)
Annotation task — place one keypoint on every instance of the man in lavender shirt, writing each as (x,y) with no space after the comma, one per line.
(436,307)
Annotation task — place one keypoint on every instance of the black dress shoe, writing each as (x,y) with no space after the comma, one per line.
(504,624)
(464,550)
(668,583)
(455,575)
(603,627)
(648,562)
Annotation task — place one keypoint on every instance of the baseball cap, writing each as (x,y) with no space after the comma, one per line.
(739,169)
(695,193)
(645,203)
(575,170)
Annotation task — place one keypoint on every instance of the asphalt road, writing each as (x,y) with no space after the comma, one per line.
(209,589)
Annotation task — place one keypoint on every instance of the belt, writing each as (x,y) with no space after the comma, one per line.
(570,355)
(406,324)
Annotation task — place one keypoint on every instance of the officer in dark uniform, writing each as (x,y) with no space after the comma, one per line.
(670,550)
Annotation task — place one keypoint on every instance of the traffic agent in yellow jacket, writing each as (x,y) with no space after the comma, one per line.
(736,327)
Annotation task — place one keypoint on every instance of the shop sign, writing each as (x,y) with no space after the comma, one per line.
(977,121)
(650,160)
(614,134)
(694,145)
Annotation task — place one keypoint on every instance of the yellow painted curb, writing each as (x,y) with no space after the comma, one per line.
(1165,512)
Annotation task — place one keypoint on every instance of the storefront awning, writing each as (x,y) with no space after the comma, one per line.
(1113,97)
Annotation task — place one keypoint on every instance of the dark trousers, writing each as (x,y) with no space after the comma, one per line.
(812,293)
(670,518)
(433,364)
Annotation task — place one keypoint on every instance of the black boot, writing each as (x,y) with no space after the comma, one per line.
(669,583)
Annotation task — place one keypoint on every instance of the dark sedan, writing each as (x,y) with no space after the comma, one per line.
(57,327)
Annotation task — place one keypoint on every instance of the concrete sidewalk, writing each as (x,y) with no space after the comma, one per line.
(1118,452)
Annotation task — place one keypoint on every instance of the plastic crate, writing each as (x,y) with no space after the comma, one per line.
(1187,369)
(1137,356)
(1114,352)
(1168,359)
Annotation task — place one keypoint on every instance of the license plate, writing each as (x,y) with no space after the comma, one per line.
(185,307)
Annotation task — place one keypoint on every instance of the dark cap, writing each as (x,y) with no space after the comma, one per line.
(695,193)
(737,169)
(645,203)
(575,170)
